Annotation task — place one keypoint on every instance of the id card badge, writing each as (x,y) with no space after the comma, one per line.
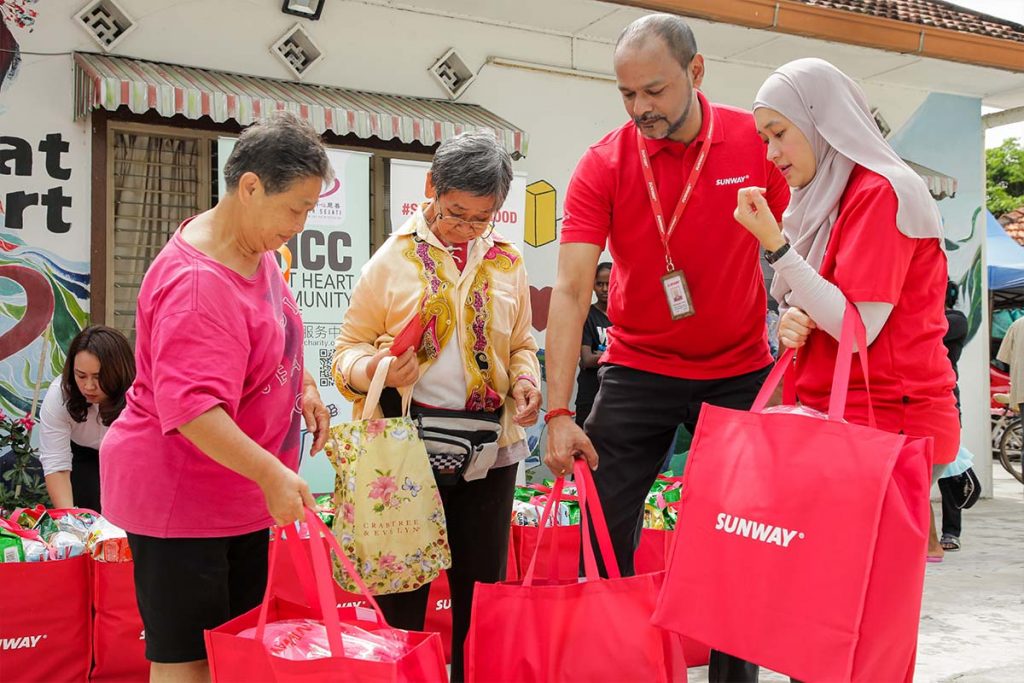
(677,294)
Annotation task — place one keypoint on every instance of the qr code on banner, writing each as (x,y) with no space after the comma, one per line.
(326,379)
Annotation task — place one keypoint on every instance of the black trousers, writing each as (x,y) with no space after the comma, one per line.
(478,514)
(951,514)
(583,412)
(85,477)
(632,425)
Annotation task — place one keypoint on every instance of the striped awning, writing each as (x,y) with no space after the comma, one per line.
(940,185)
(103,81)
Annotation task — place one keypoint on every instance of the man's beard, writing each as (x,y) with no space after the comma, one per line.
(673,126)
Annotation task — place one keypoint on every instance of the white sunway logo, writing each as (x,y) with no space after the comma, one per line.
(20,642)
(732,181)
(757,531)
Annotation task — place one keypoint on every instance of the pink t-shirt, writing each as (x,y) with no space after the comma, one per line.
(205,336)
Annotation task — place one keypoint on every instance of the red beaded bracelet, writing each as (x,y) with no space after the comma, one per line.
(558,412)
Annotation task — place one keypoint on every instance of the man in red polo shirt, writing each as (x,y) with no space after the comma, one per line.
(687,299)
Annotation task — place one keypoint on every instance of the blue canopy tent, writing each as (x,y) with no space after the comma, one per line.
(1005,266)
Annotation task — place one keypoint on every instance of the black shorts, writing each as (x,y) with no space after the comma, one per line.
(186,585)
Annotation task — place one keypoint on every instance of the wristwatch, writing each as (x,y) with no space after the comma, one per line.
(773,256)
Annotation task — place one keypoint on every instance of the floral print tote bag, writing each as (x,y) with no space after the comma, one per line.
(389,521)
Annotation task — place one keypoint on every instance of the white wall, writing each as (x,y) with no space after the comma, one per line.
(383,49)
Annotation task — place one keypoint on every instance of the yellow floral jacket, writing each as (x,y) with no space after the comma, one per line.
(413,274)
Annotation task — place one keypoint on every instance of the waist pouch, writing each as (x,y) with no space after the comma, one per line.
(459,443)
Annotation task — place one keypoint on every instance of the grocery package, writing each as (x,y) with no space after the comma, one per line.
(12,548)
(325,502)
(307,639)
(529,501)
(40,535)
(108,543)
(659,509)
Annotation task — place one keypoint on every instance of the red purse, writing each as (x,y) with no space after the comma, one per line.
(409,337)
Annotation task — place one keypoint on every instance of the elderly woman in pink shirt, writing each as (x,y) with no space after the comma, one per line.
(458,291)
(202,460)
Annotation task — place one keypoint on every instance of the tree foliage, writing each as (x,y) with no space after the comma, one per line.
(1004,169)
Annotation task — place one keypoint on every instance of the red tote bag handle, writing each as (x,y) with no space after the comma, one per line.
(553,550)
(783,367)
(321,577)
(853,330)
(590,512)
(591,503)
(545,518)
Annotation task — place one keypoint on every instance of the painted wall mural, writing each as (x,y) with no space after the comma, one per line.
(944,134)
(540,229)
(42,294)
(541,209)
(44,220)
(16,14)
(969,280)
(45,297)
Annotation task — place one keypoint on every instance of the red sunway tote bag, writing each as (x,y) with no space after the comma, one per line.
(119,642)
(802,540)
(45,630)
(550,629)
(236,658)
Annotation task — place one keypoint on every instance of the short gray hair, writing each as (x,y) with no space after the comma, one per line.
(676,33)
(475,163)
(280,150)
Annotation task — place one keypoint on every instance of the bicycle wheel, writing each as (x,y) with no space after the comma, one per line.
(1010,449)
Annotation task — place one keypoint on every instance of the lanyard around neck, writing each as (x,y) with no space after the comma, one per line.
(652,190)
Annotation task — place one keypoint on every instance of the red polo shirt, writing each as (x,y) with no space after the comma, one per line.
(607,203)
(869,259)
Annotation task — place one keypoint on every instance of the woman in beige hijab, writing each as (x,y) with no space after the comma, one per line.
(861,228)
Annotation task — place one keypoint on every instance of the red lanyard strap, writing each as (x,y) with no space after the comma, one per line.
(684,199)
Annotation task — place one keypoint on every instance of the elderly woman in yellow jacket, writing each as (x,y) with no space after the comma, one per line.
(454,294)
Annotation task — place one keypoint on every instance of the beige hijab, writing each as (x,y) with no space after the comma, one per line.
(832,112)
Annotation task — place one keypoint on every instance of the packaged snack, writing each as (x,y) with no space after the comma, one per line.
(568,490)
(46,526)
(327,507)
(568,512)
(303,639)
(77,524)
(11,547)
(64,545)
(653,517)
(35,551)
(27,518)
(107,543)
(529,513)
(659,513)
(526,513)
(114,550)
(523,493)
(798,410)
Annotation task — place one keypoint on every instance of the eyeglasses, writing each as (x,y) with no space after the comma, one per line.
(482,228)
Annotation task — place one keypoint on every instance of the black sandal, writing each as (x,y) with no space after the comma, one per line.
(949,543)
